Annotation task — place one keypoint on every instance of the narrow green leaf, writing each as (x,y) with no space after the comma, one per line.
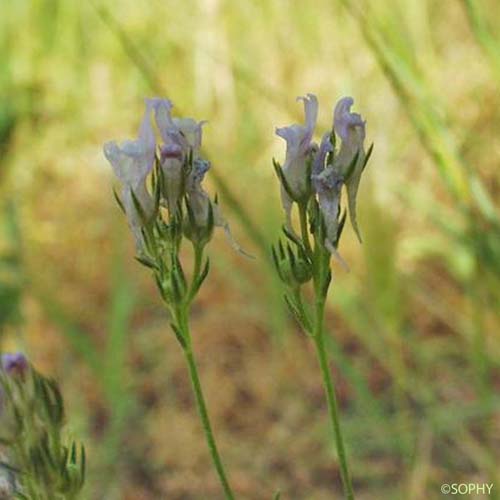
(203,274)
(119,201)
(367,157)
(282,179)
(352,166)
(146,261)
(140,210)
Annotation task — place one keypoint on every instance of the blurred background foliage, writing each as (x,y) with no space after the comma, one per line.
(414,325)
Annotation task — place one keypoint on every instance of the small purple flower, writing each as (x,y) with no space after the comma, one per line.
(15,364)
(181,137)
(328,186)
(198,197)
(298,147)
(350,127)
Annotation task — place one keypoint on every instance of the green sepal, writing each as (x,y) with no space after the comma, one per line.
(326,283)
(282,260)
(302,321)
(147,262)
(352,166)
(83,465)
(210,221)
(309,163)
(292,237)
(276,262)
(178,334)
(119,201)
(281,250)
(291,256)
(177,291)
(314,213)
(292,308)
(148,242)
(179,272)
(72,458)
(64,459)
(340,228)
(367,157)
(48,391)
(283,181)
(201,278)
(145,220)
(190,213)
(161,289)
(157,184)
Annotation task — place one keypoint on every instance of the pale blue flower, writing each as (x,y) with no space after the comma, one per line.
(350,127)
(181,137)
(132,161)
(298,148)
(328,186)
(197,196)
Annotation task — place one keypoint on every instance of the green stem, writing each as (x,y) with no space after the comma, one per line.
(333,411)
(202,408)
(321,259)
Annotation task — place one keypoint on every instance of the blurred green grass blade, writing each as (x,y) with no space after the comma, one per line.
(116,377)
(11,267)
(483,33)
(121,307)
(129,47)
(364,400)
(79,339)
(425,113)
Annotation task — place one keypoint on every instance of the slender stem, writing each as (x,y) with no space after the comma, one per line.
(333,411)
(202,408)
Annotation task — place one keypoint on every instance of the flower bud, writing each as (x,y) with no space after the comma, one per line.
(293,268)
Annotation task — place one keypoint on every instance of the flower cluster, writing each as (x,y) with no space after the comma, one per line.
(177,169)
(176,207)
(37,462)
(15,364)
(311,171)
(312,177)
